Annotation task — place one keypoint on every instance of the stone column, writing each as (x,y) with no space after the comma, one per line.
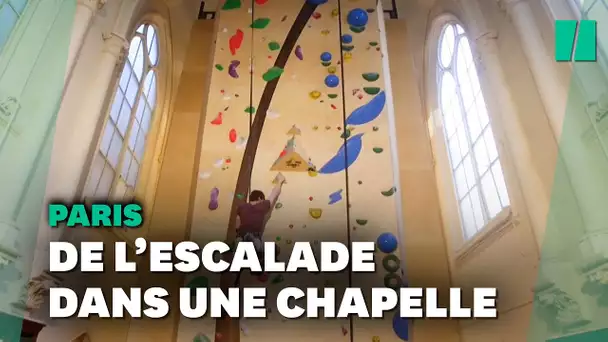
(552,88)
(85,11)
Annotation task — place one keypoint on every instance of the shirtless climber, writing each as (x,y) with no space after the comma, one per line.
(253,215)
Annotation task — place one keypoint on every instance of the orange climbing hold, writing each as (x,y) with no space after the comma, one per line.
(235,41)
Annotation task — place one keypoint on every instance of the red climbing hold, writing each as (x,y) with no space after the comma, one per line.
(218,119)
(228,160)
(263,277)
(316,15)
(235,41)
(283,153)
(261,2)
(232,135)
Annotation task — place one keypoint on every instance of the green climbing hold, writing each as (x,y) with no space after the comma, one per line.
(273,46)
(219,67)
(371,76)
(325,64)
(240,196)
(345,134)
(348,47)
(250,110)
(278,238)
(332,96)
(377,149)
(371,90)
(277,279)
(357,29)
(279,205)
(201,338)
(260,23)
(373,43)
(361,222)
(389,192)
(272,73)
(231,4)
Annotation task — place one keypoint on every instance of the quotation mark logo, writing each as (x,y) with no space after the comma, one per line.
(575,41)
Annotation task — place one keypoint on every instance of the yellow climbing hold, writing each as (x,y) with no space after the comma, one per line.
(376,339)
(335,13)
(332,69)
(325,32)
(312,173)
(348,56)
(315,94)
(315,213)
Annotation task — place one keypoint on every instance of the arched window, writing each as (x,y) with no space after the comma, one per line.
(476,170)
(10,12)
(117,161)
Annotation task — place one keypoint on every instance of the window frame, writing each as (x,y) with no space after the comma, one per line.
(140,186)
(459,245)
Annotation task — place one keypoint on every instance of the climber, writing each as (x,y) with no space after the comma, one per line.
(253,215)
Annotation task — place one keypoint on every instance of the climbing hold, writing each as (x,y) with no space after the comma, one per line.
(361,222)
(262,278)
(260,23)
(393,281)
(345,134)
(314,94)
(279,205)
(298,52)
(370,76)
(200,337)
(218,163)
(213,199)
(234,43)
(272,73)
(315,128)
(271,114)
(218,119)
(325,32)
(377,149)
(389,192)
(332,96)
(326,57)
(231,4)
(375,339)
(387,242)
(288,241)
(373,43)
(357,29)
(315,213)
(232,135)
(278,238)
(345,157)
(232,69)
(368,112)
(273,46)
(219,67)
(277,279)
(312,172)
(316,2)
(204,175)
(332,81)
(357,17)
(344,331)
(241,143)
(375,128)
(347,39)
(401,327)
(316,15)
(332,69)
(348,56)
(335,197)
(391,263)
(335,13)
(250,110)
(348,47)
(310,198)
(371,90)
(261,2)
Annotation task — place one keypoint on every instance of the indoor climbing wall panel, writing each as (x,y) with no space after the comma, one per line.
(372,185)
(302,128)
(225,132)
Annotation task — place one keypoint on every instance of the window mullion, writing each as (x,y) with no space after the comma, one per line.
(485,211)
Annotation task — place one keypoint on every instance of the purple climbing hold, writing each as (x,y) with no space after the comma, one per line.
(213,199)
(298,52)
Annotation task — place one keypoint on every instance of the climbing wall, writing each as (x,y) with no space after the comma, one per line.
(225,132)
(327,130)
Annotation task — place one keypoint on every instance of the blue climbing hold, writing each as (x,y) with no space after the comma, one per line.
(345,157)
(347,39)
(326,57)
(401,327)
(316,2)
(357,17)
(387,242)
(332,81)
(368,112)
